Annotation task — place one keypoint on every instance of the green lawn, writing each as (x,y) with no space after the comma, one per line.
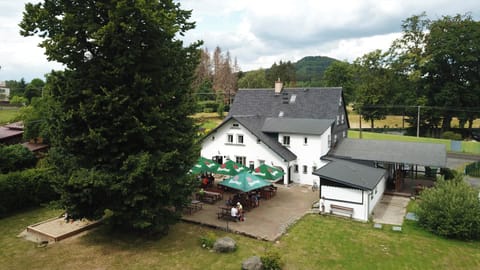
(467,147)
(315,242)
(8,114)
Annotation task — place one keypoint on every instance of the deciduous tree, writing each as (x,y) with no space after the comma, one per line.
(119,124)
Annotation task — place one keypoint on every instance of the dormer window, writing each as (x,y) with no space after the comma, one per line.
(343,118)
(293,98)
(340,102)
(280,114)
(338,120)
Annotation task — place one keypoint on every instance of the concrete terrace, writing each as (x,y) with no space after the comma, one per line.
(268,221)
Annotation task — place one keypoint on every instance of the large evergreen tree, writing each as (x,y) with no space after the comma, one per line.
(118,119)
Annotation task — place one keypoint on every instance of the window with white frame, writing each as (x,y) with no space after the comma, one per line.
(261,161)
(229,138)
(343,118)
(314,168)
(241,160)
(295,168)
(251,165)
(305,169)
(340,102)
(235,125)
(240,139)
(305,140)
(286,140)
(344,134)
(335,138)
(338,119)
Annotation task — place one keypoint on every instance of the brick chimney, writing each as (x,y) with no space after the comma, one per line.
(278,87)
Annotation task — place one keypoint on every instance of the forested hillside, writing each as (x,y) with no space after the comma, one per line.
(308,71)
(312,68)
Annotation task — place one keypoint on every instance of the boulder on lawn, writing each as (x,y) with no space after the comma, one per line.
(225,244)
(252,263)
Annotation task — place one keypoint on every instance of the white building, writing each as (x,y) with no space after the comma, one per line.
(288,128)
(4,92)
(350,188)
(303,131)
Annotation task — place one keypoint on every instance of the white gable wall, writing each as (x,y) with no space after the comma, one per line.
(308,154)
(377,193)
(216,144)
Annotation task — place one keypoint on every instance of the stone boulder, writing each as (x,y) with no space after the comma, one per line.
(225,244)
(252,263)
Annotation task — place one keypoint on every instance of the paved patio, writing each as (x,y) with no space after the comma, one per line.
(390,210)
(268,221)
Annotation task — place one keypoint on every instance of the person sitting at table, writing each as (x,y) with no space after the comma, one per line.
(240,211)
(205,182)
(234,213)
(211,179)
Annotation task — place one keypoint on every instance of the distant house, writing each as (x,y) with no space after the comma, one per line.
(11,133)
(4,92)
(291,129)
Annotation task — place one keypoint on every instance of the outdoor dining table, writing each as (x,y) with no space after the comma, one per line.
(197,205)
(223,212)
(216,195)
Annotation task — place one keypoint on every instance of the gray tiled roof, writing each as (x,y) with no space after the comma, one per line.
(424,154)
(351,174)
(297,125)
(313,103)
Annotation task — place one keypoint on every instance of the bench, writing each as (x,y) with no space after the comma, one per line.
(225,214)
(341,209)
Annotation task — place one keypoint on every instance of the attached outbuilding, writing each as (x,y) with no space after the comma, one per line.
(350,189)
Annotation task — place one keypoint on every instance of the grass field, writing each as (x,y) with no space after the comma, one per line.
(467,147)
(8,114)
(315,242)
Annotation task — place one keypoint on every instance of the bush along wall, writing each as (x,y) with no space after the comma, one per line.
(27,188)
(15,158)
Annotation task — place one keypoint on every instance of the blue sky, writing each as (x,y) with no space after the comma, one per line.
(257,32)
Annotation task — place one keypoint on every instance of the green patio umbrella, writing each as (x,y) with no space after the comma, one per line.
(268,172)
(245,182)
(231,168)
(204,165)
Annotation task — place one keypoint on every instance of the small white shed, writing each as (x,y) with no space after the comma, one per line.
(350,188)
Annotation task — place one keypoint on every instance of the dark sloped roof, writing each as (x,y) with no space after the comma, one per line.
(297,125)
(313,103)
(424,154)
(351,174)
(254,125)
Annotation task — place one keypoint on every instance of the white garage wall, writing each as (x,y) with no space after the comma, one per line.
(347,197)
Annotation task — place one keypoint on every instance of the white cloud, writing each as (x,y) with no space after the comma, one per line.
(259,33)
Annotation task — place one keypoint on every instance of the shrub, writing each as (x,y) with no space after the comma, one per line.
(451,209)
(271,260)
(207,241)
(207,106)
(19,190)
(448,173)
(15,157)
(450,135)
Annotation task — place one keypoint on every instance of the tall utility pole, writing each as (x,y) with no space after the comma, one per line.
(418,121)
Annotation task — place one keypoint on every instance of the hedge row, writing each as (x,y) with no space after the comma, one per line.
(19,190)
